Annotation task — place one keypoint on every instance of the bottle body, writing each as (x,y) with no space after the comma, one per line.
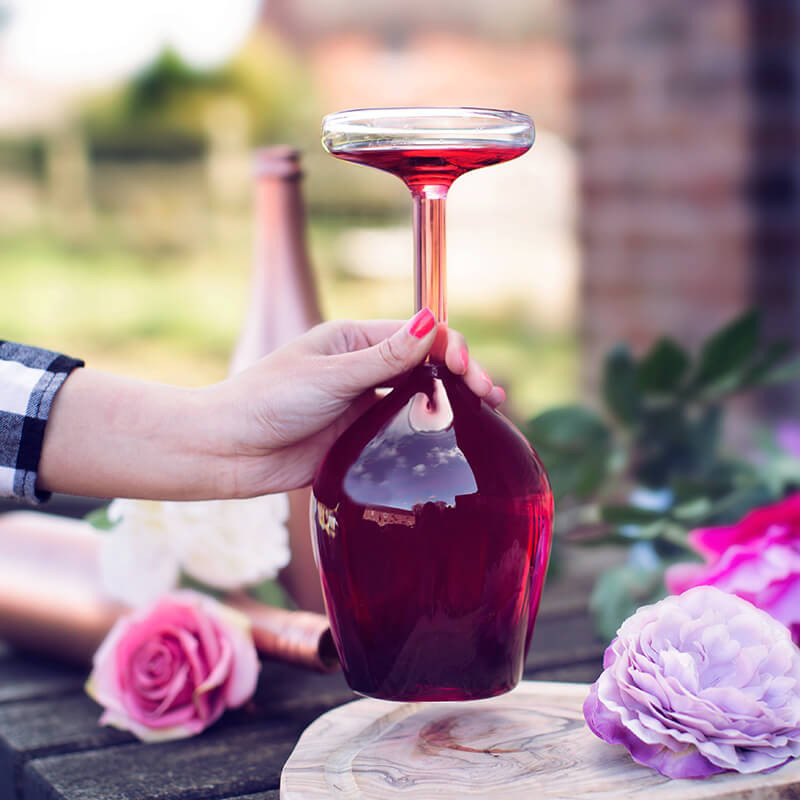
(432,519)
(282,306)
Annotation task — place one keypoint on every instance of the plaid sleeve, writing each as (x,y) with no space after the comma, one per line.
(29,380)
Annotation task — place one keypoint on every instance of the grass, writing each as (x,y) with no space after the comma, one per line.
(174,315)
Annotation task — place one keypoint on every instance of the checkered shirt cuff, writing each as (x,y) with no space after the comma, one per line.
(29,380)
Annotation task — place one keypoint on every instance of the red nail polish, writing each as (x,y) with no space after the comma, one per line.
(421,323)
(464,358)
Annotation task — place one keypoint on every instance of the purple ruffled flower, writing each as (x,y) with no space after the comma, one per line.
(700,683)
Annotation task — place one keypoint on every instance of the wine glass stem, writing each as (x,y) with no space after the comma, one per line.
(429,250)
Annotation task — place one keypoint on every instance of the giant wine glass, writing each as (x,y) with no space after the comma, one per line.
(432,515)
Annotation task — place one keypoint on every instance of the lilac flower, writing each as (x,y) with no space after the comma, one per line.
(788,436)
(700,683)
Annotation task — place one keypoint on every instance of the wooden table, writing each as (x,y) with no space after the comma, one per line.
(51,747)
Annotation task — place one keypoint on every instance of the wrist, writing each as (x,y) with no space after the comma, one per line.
(113,437)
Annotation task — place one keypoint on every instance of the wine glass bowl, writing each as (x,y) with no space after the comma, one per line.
(425,127)
(433,519)
(431,515)
(427,146)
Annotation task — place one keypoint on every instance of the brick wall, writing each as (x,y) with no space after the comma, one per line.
(688,119)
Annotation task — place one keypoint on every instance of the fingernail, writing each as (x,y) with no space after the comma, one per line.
(486,377)
(496,397)
(464,355)
(421,323)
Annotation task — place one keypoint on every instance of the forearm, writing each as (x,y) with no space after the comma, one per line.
(109,436)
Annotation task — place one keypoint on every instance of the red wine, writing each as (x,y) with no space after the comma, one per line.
(433,520)
(431,166)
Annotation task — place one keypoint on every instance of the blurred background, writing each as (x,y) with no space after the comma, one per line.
(661,195)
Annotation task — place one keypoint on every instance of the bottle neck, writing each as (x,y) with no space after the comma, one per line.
(430,268)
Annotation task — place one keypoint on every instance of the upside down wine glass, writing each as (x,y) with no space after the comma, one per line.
(432,514)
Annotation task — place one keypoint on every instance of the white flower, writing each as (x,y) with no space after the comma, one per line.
(226,544)
(229,544)
(137,561)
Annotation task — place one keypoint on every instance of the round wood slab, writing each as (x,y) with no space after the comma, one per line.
(529,743)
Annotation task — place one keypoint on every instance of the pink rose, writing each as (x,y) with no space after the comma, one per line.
(757,559)
(169,670)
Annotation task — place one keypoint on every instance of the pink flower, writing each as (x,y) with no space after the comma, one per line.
(757,559)
(169,670)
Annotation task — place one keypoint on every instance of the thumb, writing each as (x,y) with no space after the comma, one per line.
(392,356)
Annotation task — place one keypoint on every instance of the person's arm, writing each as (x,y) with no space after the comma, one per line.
(110,436)
(264,430)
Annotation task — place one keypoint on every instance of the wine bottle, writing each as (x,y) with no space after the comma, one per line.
(282,306)
(52,599)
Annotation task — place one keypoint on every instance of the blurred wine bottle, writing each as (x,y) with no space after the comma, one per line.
(282,306)
(52,599)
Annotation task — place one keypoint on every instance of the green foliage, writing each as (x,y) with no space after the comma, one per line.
(188,582)
(662,369)
(620,385)
(619,592)
(574,444)
(99,520)
(652,467)
(271,593)
(170,107)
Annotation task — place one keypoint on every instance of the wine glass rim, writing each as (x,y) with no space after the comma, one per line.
(427,110)
(353,120)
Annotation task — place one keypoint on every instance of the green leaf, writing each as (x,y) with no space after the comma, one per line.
(726,353)
(628,515)
(704,436)
(98,518)
(693,511)
(271,593)
(617,594)
(574,475)
(738,502)
(767,361)
(186,581)
(782,473)
(620,387)
(567,428)
(574,445)
(663,367)
(783,373)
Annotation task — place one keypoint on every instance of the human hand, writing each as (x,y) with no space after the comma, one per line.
(263,430)
(286,411)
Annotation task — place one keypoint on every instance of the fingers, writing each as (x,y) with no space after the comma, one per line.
(391,348)
(344,335)
(391,356)
(451,347)
(496,397)
(481,384)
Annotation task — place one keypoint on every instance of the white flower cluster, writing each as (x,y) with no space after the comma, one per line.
(225,544)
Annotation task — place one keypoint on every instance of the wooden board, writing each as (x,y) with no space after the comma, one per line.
(530,743)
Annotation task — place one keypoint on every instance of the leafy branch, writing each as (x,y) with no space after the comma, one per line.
(650,466)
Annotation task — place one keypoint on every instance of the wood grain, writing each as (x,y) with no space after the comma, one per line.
(51,747)
(223,762)
(530,743)
(24,676)
(274,795)
(41,727)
